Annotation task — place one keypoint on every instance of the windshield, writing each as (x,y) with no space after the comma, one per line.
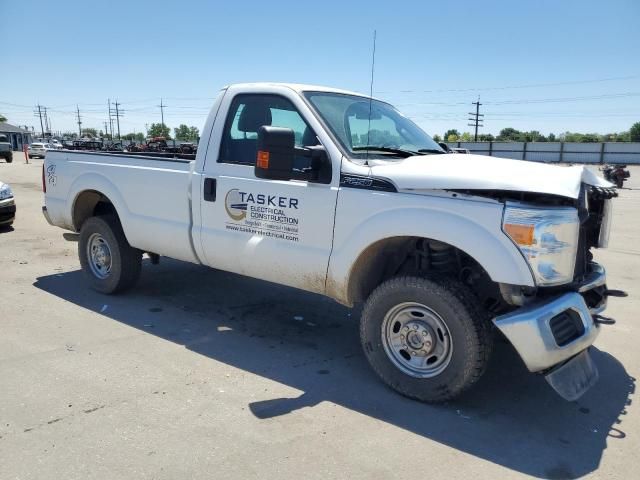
(390,133)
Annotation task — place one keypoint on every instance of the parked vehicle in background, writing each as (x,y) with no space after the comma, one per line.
(292,186)
(460,150)
(6,149)
(161,145)
(83,145)
(7,205)
(617,174)
(56,144)
(38,150)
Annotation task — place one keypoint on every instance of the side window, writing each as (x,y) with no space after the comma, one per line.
(247,114)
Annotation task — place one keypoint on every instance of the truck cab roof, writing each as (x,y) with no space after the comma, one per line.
(297,87)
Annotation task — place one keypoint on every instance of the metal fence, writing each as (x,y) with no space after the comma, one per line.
(566,152)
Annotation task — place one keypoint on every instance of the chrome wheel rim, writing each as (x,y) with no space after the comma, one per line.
(99,256)
(417,340)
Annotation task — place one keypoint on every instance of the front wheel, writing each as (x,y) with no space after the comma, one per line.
(426,338)
(109,263)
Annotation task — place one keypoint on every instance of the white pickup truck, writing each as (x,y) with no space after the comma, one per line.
(339,194)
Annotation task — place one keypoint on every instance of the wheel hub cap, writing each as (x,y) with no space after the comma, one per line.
(417,340)
(99,256)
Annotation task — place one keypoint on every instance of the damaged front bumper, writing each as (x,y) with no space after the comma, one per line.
(552,335)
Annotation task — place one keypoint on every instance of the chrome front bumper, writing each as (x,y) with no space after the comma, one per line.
(530,331)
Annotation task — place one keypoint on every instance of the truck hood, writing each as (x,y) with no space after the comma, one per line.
(479,172)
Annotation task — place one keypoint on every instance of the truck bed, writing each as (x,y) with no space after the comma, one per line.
(150,193)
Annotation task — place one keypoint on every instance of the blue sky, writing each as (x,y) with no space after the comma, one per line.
(546,65)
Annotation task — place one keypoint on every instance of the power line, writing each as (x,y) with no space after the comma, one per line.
(509,87)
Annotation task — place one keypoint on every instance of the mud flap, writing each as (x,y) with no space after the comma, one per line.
(571,379)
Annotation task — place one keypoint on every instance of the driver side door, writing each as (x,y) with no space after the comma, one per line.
(275,230)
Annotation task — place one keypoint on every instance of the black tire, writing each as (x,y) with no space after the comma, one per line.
(126,261)
(470,338)
(10,157)
(619,182)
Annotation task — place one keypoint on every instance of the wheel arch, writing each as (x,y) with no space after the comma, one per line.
(95,195)
(356,260)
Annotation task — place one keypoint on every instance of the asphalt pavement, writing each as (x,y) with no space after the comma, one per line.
(198,373)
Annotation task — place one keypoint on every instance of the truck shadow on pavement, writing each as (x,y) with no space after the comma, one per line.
(511,418)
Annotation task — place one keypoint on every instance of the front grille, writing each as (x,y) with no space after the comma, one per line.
(566,327)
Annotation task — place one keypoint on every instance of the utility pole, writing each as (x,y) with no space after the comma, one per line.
(162,111)
(117,114)
(110,120)
(46,122)
(79,121)
(476,118)
(106,128)
(38,113)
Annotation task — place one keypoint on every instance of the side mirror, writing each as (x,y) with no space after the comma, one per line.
(276,151)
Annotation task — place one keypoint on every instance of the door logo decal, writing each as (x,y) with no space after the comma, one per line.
(235,207)
(264,215)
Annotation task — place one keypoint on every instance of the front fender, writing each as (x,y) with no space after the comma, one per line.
(475,227)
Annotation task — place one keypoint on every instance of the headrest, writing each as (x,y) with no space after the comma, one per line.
(254,116)
(309,138)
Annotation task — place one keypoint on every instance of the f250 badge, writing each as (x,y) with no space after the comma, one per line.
(51,175)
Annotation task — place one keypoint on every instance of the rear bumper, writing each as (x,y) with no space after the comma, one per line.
(548,332)
(46,215)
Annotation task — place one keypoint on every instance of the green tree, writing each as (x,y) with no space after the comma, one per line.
(2,118)
(89,132)
(451,135)
(466,137)
(139,137)
(159,130)
(510,135)
(634,132)
(437,138)
(591,138)
(552,137)
(486,137)
(186,133)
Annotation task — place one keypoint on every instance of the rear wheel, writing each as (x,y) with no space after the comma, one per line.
(426,338)
(10,157)
(109,263)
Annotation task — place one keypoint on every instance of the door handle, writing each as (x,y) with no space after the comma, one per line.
(209,194)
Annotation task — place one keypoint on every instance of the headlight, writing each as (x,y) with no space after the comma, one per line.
(548,239)
(5,192)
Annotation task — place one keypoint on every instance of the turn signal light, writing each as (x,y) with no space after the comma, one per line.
(263,159)
(521,234)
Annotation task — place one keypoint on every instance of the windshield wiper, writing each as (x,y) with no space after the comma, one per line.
(395,151)
(430,150)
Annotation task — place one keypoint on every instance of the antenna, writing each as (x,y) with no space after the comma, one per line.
(373,64)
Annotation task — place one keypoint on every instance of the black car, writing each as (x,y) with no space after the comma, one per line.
(7,205)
